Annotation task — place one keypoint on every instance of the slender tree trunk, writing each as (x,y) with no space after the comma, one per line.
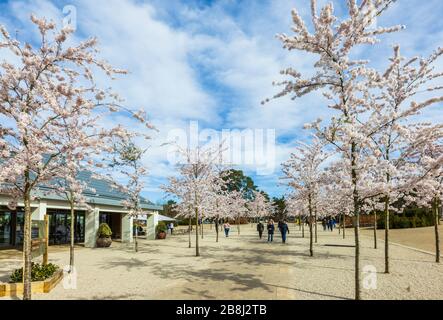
(216,229)
(27,246)
(302,229)
(197,251)
(339,223)
(136,239)
(311,249)
(375,229)
(344,225)
(238,226)
(357,222)
(190,228)
(437,235)
(387,235)
(202,226)
(71,247)
(315,225)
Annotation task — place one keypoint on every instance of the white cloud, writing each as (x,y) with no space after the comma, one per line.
(215,63)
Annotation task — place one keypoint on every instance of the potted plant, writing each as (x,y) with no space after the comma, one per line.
(161,230)
(104,234)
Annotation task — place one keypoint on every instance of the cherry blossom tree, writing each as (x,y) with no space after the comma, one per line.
(195,181)
(429,191)
(341,80)
(128,159)
(405,87)
(304,175)
(259,207)
(44,93)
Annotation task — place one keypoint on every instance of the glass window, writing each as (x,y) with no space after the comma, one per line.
(5,229)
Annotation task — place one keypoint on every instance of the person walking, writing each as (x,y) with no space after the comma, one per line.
(284,229)
(171,227)
(330,224)
(323,222)
(260,229)
(227,228)
(271,229)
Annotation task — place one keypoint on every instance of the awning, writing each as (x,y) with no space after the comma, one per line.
(165,218)
(160,218)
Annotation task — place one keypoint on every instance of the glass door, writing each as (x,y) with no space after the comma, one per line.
(5,229)
(80,227)
(19,228)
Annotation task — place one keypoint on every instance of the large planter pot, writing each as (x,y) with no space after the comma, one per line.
(104,242)
(161,235)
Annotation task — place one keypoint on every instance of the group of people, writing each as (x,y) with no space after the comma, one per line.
(282,226)
(328,223)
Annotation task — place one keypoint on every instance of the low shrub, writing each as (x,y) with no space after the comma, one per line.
(104,231)
(39,272)
(161,227)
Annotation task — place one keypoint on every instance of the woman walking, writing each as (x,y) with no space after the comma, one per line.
(271,229)
(227,228)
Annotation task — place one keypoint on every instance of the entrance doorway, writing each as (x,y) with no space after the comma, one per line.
(114,221)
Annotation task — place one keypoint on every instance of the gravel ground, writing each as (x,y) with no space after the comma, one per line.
(420,238)
(243,267)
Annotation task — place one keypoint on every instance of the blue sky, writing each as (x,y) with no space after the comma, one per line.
(214,62)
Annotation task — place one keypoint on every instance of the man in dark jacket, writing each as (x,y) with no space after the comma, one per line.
(284,229)
(260,229)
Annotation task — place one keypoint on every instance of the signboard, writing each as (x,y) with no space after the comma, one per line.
(38,242)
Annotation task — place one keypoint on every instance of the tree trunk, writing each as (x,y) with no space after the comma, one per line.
(71,247)
(136,239)
(357,221)
(201,226)
(387,235)
(315,226)
(357,256)
(344,225)
(27,246)
(311,249)
(197,251)
(302,229)
(190,228)
(339,224)
(437,235)
(238,226)
(216,229)
(375,229)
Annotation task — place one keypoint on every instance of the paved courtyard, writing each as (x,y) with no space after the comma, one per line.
(242,267)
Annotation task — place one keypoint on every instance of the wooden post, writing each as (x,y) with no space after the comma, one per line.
(46,240)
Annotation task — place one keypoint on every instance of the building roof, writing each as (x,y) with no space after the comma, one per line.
(105,193)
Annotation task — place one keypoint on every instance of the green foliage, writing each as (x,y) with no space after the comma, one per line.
(104,231)
(168,209)
(239,182)
(280,207)
(161,227)
(410,218)
(38,272)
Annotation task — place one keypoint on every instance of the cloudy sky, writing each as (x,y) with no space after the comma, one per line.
(214,62)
